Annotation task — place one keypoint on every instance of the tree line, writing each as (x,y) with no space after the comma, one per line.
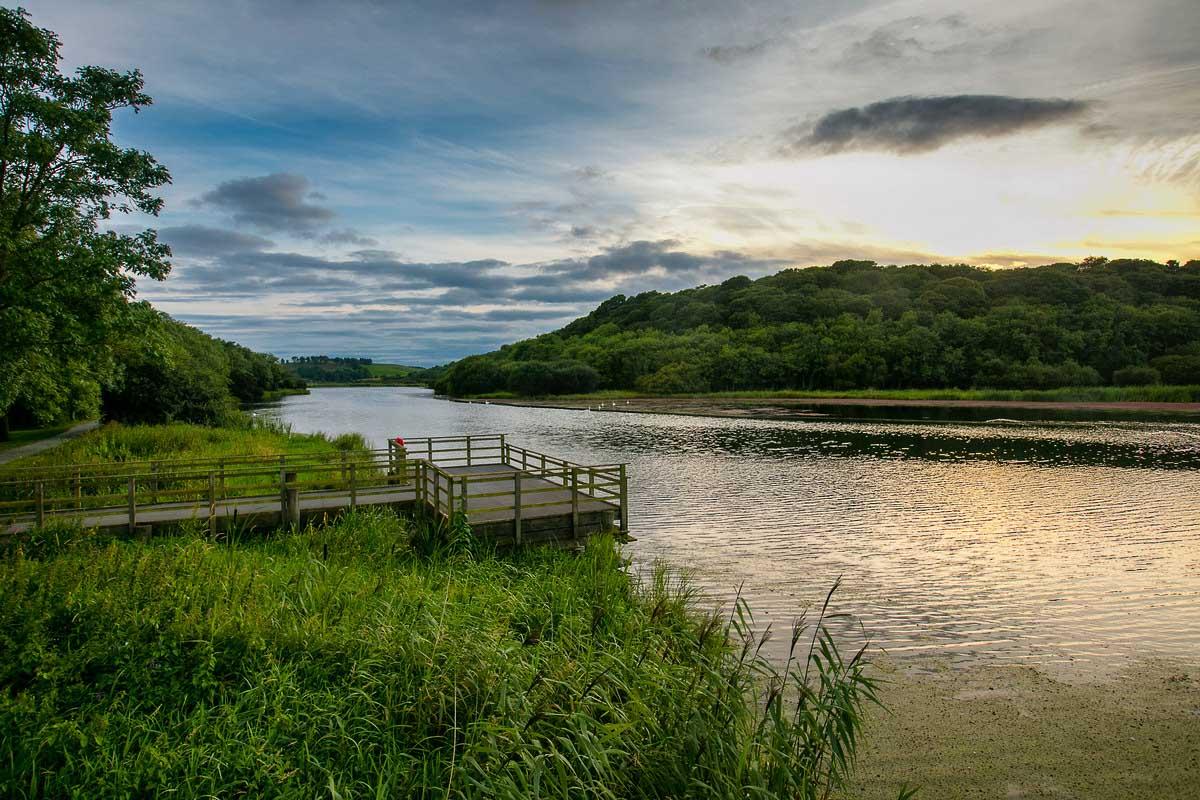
(861,325)
(74,341)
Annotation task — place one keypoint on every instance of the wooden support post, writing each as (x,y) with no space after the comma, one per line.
(517,507)
(153,482)
(543,455)
(41,504)
(212,505)
(468,451)
(437,492)
(624,511)
(450,499)
(429,450)
(132,505)
(504,454)
(403,465)
(353,487)
(463,494)
(574,503)
(78,491)
(291,502)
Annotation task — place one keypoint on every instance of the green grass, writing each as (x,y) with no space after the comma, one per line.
(1078,394)
(20,438)
(375,658)
(114,443)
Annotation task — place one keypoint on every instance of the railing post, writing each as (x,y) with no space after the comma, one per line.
(353,488)
(429,449)
(504,453)
(153,481)
(624,512)
(291,499)
(437,492)
(41,504)
(574,503)
(212,505)
(403,453)
(132,504)
(78,491)
(462,495)
(517,507)
(450,498)
(468,450)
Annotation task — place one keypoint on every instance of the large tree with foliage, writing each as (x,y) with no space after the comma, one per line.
(65,278)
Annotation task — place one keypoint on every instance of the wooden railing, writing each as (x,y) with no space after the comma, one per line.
(199,487)
(504,478)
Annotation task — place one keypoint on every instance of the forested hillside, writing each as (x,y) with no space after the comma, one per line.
(859,325)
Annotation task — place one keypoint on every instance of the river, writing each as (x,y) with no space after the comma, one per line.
(1067,545)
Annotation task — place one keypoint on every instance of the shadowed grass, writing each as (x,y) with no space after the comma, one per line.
(375,658)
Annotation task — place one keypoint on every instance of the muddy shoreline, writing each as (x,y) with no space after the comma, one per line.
(1020,732)
(800,408)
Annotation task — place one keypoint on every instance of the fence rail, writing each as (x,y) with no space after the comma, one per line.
(477,474)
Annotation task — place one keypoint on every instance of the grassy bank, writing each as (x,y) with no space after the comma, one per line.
(1077,394)
(278,394)
(378,659)
(116,442)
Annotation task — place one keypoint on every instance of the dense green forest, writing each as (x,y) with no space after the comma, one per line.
(328,369)
(339,369)
(860,325)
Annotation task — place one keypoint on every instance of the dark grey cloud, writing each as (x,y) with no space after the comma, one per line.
(201,241)
(347,236)
(732,53)
(921,124)
(645,257)
(277,202)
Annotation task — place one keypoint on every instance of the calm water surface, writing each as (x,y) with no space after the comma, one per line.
(1067,544)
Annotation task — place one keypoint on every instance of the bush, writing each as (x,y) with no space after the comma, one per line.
(677,378)
(1136,376)
(1179,370)
(534,378)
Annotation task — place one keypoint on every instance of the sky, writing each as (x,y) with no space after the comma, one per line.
(415,182)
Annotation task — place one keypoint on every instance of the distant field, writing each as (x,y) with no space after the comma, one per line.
(390,370)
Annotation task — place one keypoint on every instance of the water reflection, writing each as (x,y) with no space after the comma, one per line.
(1045,542)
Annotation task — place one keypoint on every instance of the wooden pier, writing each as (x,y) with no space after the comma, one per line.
(508,493)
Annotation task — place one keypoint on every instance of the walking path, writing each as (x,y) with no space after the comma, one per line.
(42,445)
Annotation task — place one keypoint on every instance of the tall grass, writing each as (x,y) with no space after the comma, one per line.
(376,658)
(244,436)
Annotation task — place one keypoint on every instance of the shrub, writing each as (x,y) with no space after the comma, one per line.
(1136,376)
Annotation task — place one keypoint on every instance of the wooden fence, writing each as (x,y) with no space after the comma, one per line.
(484,476)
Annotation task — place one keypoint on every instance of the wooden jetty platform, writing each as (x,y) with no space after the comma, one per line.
(506,492)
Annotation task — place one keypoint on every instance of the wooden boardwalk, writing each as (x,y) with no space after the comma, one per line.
(507,493)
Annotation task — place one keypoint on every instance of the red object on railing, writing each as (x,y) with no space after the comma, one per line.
(399,440)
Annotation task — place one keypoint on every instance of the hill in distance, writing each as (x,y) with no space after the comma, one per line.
(858,325)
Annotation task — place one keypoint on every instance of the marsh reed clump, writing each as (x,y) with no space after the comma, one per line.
(361,659)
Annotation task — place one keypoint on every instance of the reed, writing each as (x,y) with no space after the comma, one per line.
(375,657)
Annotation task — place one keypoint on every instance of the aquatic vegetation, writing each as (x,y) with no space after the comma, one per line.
(365,659)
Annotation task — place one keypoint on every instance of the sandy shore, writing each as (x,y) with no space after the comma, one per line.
(1016,732)
(791,407)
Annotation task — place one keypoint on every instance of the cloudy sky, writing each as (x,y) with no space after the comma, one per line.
(419,181)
